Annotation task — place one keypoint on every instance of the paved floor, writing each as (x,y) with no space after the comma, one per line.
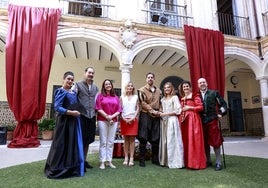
(240,146)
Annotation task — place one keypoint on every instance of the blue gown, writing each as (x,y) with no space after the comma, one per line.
(65,158)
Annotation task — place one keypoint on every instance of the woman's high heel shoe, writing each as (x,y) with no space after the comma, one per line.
(131,162)
(125,162)
(102,166)
(110,164)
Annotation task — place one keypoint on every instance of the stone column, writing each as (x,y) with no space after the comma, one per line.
(125,68)
(264,97)
(128,36)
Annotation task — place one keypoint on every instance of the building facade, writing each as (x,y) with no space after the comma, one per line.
(123,40)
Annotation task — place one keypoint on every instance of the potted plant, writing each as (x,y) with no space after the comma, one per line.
(10,129)
(46,126)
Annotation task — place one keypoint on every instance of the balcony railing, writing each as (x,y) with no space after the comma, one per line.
(4,3)
(167,14)
(92,8)
(234,25)
(265,22)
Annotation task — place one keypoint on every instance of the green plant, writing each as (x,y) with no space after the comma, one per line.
(11,127)
(46,124)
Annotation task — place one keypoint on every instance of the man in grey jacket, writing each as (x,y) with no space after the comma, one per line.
(86,93)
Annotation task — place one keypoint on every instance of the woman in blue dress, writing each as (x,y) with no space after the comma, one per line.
(65,158)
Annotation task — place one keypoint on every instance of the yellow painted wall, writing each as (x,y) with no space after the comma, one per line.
(2,78)
(248,86)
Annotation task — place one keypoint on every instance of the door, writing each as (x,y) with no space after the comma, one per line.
(235,111)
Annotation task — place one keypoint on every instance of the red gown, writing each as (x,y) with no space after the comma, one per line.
(192,133)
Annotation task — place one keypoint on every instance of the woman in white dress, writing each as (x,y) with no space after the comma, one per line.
(171,145)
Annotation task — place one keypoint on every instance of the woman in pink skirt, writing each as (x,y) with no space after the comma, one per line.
(129,122)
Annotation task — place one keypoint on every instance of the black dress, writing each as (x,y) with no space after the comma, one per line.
(65,158)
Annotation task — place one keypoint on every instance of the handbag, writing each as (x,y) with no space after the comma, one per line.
(118,151)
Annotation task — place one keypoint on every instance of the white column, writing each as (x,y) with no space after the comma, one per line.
(125,76)
(125,67)
(264,97)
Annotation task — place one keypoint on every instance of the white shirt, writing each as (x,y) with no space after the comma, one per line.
(129,106)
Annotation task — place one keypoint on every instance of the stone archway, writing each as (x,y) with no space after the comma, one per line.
(167,42)
(175,80)
(249,58)
(104,39)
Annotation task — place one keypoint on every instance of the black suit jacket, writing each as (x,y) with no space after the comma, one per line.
(213,104)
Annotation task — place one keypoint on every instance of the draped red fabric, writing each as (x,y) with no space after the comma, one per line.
(205,50)
(30,45)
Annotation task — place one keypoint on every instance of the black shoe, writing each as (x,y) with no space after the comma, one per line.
(142,163)
(218,167)
(209,164)
(156,163)
(87,165)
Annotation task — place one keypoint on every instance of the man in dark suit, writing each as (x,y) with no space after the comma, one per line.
(214,108)
(86,93)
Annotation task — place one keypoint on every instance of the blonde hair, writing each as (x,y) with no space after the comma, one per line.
(133,91)
(173,92)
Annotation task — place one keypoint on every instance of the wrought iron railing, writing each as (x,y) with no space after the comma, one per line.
(265,22)
(167,14)
(234,25)
(4,3)
(92,8)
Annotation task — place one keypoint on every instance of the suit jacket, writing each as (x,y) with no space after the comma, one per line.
(86,97)
(213,104)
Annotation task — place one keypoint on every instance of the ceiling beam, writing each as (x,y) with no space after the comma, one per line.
(4,42)
(100,53)
(184,64)
(177,61)
(159,56)
(87,50)
(147,56)
(169,59)
(75,52)
(62,50)
(111,57)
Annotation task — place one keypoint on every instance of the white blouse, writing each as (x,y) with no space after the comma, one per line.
(129,106)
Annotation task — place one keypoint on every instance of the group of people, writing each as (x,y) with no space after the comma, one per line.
(180,129)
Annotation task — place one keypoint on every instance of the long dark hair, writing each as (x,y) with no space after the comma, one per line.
(103,91)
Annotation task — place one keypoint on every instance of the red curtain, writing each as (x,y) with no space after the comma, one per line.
(30,45)
(205,50)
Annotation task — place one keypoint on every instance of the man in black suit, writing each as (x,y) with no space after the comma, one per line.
(214,108)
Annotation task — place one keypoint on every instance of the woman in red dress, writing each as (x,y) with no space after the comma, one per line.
(129,122)
(191,127)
